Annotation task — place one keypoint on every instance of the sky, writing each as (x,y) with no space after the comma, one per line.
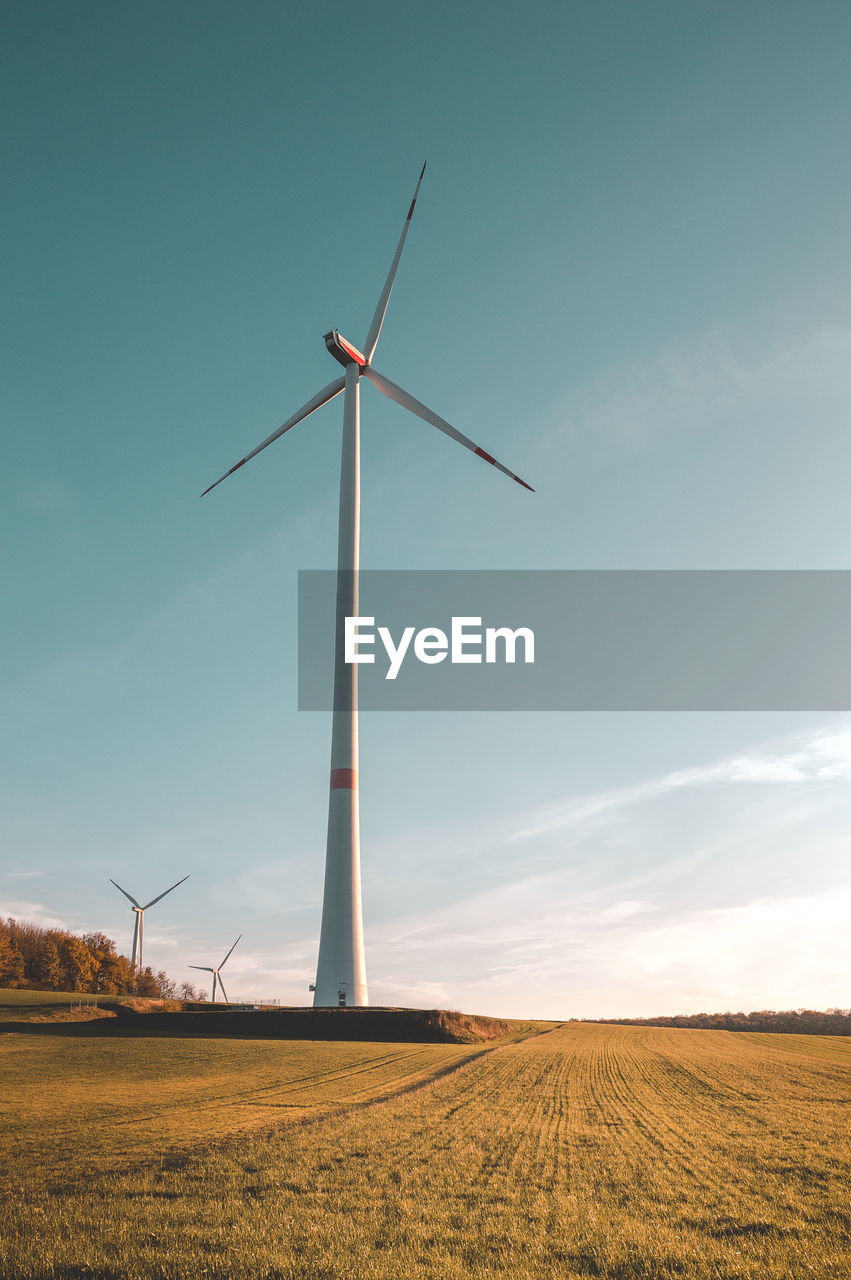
(627,278)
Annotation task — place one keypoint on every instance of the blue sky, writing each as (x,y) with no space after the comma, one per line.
(627,278)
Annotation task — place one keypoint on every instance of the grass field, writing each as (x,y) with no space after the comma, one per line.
(92,1104)
(584,1151)
(16,1005)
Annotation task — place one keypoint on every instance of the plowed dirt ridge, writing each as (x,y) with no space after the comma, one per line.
(586,1151)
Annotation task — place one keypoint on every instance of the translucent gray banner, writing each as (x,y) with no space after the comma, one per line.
(607,640)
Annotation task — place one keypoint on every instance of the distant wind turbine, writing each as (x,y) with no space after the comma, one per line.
(140,918)
(341,969)
(217,977)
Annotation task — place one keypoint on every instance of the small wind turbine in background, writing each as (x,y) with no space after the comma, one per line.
(217,977)
(140,919)
(342,965)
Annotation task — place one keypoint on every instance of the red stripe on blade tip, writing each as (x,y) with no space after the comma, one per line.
(344,780)
(480,453)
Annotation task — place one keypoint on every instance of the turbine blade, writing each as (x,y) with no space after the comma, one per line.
(407,401)
(205,968)
(381,309)
(162,895)
(224,993)
(227,957)
(327,393)
(126,894)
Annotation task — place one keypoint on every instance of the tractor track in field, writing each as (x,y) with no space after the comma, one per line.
(307,1114)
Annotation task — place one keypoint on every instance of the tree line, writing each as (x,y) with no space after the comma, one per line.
(810,1022)
(58,960)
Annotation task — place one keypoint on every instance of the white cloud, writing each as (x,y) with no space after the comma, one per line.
(33,913)
(796,345)
(766,953)
(159,940)
(397,992)
(625,910)
(817,757)
(580,958)
(653,902)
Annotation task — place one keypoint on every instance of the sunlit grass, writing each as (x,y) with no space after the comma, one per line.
(93,1103)
(19,1005)
(590,1150)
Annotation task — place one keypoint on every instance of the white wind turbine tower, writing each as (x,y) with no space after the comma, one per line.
(341,968)
(217,976)
(140,919)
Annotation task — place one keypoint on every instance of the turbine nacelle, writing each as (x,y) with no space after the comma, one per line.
(343,350)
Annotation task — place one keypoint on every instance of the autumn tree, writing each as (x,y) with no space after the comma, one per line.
(78,963)
(48,969)
(11,962)
(31,955)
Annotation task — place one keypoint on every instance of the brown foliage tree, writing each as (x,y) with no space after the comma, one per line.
(11,962)
(48,968)
(62,961)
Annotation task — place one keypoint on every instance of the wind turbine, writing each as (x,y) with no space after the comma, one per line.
(140,918)
(217,977)
(341,968)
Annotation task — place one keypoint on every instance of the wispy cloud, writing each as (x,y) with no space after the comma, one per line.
(806,340)
(395,992)
(729,958)
(34,912)
(579,957)
(816,757)
(272,887)
(646,907)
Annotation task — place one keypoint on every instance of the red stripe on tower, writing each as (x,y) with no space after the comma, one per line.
(344,780)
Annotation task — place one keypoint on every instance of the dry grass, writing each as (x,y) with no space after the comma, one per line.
(23,1005)
(622,1152)
(74,1013)
(149,1004)
(92,1103)
(466,1028)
